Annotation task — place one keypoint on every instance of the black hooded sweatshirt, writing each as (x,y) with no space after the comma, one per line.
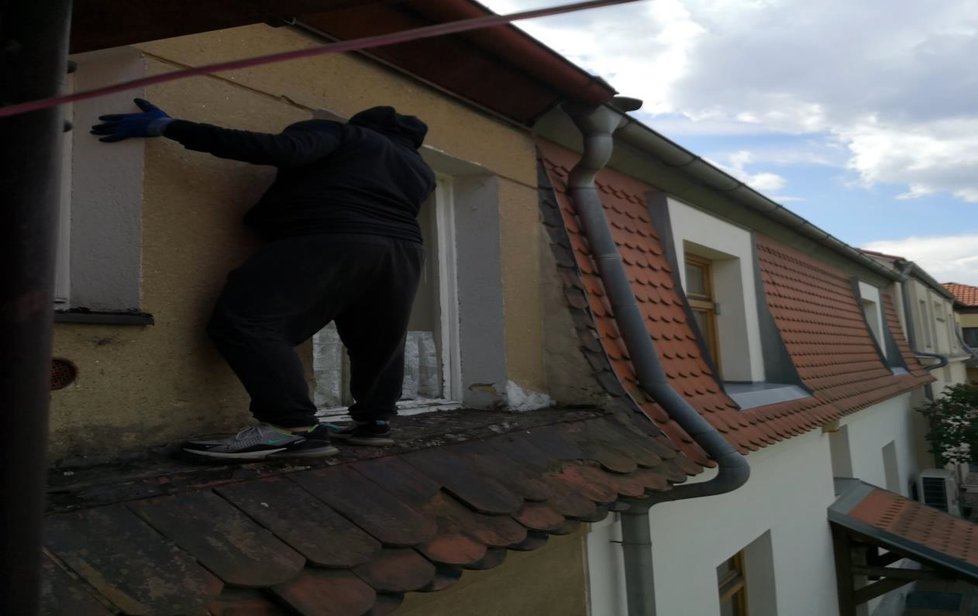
(362,177)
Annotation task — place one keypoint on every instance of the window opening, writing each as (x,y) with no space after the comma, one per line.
(699,291)
(925,324)
(431,366)
(732,586)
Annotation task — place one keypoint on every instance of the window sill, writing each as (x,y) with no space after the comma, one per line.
(752,395)
(89,317)
(405,408)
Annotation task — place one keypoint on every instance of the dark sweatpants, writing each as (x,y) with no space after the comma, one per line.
(292,288)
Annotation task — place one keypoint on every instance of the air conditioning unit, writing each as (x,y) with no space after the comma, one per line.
(938,488)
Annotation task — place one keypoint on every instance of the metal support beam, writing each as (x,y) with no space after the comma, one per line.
(33,56)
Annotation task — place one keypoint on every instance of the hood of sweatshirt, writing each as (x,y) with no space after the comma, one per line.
(404,129)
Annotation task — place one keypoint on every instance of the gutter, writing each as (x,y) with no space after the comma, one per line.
(598,125)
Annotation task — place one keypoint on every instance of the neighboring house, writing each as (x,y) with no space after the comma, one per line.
(932,328)
(784,339)
(966,309)
(789,343)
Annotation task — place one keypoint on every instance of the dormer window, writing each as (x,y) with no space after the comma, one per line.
(716,261)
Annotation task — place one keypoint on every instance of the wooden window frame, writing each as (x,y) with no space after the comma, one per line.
(733,586)
(705,304)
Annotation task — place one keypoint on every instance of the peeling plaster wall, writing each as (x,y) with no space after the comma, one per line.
(141,386)
(570,377)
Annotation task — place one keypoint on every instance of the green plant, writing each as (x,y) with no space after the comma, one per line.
(953,418)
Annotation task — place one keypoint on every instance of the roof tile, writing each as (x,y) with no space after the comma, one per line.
(324,592)
(222,538)
(324,537)
(964,293)
(63,594)
(813,305)
(129,563)
(363,502)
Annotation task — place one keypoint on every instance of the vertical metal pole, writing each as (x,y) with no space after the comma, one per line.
(33,52)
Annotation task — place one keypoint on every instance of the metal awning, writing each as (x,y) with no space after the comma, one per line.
(873,528)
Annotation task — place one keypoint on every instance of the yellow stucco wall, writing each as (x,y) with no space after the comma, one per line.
(550,581)
(139,386)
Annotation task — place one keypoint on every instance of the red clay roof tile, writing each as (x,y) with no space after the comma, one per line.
(813,305)
(938,537)
(964,293)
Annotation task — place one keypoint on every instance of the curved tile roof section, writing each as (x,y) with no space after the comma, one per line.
(822,325)
(898,523)
(812,304)
(346,539)
(966,294)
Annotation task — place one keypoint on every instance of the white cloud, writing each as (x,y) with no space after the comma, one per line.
(891,81)
(929,157)
(641,48)
(951,258)
(736,166)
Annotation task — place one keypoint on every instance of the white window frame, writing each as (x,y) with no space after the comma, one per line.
(730,248)
(62,277)
(451,365)
(871,305)
(99,256)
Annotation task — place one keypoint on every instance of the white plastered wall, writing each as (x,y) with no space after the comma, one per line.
(872,429)
(779,517)
(731,250)
(782,506)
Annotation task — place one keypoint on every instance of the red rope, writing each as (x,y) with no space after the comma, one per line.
(343,46)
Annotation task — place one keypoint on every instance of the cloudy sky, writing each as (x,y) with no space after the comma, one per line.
(861,116)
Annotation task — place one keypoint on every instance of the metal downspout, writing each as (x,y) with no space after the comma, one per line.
(597,125)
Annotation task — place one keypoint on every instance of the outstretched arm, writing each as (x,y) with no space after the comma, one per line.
(298,144)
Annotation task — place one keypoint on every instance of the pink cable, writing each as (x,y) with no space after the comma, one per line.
(343,46)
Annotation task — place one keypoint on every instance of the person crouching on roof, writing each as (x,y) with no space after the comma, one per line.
(343,246)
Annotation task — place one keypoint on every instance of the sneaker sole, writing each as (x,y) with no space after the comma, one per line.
(261,455)
(224,455)
(316,453)
(369,441)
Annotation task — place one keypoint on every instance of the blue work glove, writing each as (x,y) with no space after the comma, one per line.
(119,126)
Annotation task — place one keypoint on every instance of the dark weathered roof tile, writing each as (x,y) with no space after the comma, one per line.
(129,563)
(437,511)
(459,478)
(326,592)
(62,593)
(307,524)
(369,506)
(222,538)
(246,602)
(397,570)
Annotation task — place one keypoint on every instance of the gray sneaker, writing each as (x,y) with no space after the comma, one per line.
(265,441)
